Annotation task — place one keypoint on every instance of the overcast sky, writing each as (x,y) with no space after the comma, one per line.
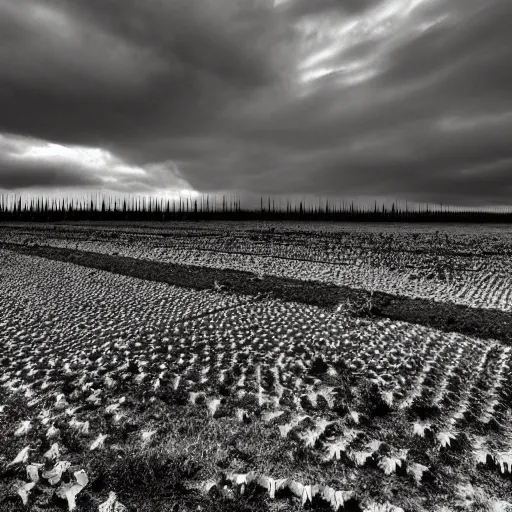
(398,98)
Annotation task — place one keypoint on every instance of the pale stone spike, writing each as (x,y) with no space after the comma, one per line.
(148,434)
(24,428)
(71,490)
(53,453)
(24,491)
(33,472)
(99,442)
(54,475)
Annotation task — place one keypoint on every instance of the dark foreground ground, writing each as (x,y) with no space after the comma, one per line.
(237,402)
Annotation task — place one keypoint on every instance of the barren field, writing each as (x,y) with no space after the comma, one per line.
(255,367)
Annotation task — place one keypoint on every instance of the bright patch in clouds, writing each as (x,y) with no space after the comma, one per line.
(338,44)
(94,159)
(70,165)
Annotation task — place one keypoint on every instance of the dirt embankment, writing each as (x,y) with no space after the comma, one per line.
(484,323)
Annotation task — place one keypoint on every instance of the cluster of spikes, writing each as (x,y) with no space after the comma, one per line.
(210,207)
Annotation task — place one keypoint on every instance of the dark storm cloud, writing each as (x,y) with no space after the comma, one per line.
(108,70)
(374,97)
(45,176)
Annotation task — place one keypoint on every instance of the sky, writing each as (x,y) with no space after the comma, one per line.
(349,98)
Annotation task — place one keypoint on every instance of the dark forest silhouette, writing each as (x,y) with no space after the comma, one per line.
(230,208)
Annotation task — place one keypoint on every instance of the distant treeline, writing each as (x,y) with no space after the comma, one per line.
(230,208)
